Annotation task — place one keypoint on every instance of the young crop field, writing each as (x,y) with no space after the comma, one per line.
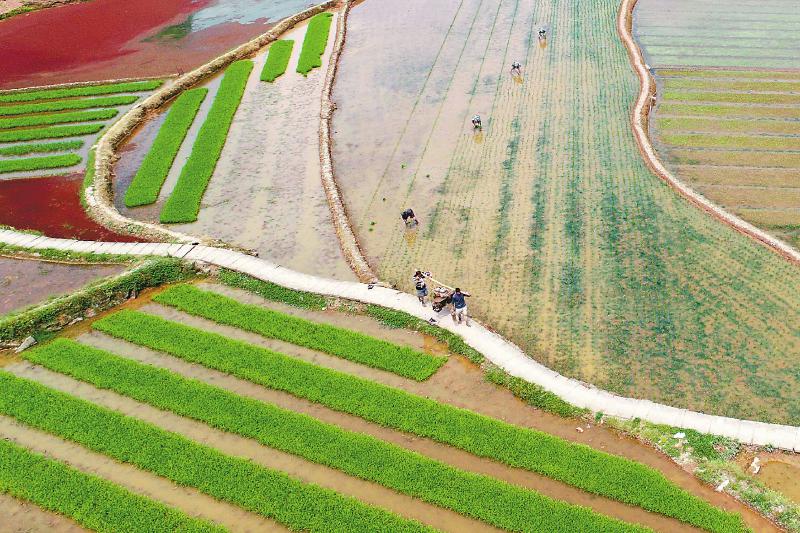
(549,217)
(277,60)
(314,43)
(239,425)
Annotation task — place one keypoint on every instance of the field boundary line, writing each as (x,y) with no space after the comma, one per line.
(640,117)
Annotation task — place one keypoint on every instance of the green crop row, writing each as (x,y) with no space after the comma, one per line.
(87,90)
(64,105)
(723,110)
(732,85)
(736,98)
(357,347)
(495,502)
(742,142)
(716,73)
(716,125)
(271,291)
(153,171)
(270,493)
(88,500)
(575,464)
(57,118)
(54,132)
(184,203)
(39,163)
(314,43)
(278,59)
(24,149)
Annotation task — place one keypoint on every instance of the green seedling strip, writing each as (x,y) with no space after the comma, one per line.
(575,464)
(24,149)
(58,118)
(54,132)
(734,98)
(153,172)
(495,502)
(39,163)
(65,105)
(314,43)
(357,347)
(92,502)
(270,493)
(184,203)
(743,142)
(277,60)
(88,90)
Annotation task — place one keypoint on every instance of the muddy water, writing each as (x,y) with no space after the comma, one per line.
(188,500)
(25,282)
(779,471)
(52,206)
(19,516)
(106,39)
(231,444)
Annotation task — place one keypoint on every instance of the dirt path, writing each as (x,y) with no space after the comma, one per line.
(23,517)
(189,500)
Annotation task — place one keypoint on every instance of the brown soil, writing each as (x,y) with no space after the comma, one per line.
(23,517)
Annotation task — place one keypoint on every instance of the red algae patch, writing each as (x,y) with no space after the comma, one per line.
(52,206)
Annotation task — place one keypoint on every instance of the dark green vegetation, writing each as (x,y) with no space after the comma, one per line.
(153,171)
(91,501)
(483,497)
(57,118)
(184,202)
(86,90)
(275,495)
(533,394)
(577,465)
(24,149)
(278,59)
(39,163)
(340,342)
(271,291)
(54,132)
(64,105)
(314,43)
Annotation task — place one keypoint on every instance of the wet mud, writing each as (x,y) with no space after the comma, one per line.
(779,471)
(19,516)
(25,282)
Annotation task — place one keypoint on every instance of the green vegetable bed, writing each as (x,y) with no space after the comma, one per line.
(23,149)
(39,163)
(277,60)
(184,203)
(270,493)
(57,118)
(314,44)
(54,132)
(578,465)
(88,500)
(64,105)
(87,90)
(377,353)
(153,171)
(495,502)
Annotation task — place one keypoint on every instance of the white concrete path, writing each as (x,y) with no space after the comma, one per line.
(495,348)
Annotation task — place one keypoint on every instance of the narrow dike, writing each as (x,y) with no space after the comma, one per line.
(186,499)
(234,445)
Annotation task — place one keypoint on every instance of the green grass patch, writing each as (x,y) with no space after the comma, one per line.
(495,502)
(65,105)
(57,118)
(184,202)
(87,90)
(733,85)
(742,142)
(715,125)
(39,163)
(273,494)
(90,501)
(714,73)
(533,394)
(735,98)
(25,149)
(153,171)
(277,60)
(722,110)
(314,43)
(575,464)
(350,345)
(271,291)
(53,132)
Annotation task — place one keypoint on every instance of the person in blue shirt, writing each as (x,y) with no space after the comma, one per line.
(459,306)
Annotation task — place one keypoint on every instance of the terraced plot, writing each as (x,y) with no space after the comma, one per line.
(568,244)
(139,409)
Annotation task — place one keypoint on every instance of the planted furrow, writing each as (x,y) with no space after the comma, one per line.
(58,118)
(277,60)
(53,132)
(314,43)
(88,90)
(64,105)
(39,163)
(25,149)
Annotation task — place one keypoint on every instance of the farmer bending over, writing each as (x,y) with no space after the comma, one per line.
(409,218)
(460,307)
(516,69)
(476,122)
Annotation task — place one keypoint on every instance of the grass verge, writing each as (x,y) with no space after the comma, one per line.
(184,202)
(87,90)
(153,171)
(88,500)
(57,118)
(277,60)
(495,502)
(65,105)
(271,291)
(273,494)
(39,163)
(533,394)
(314,43)
(347,344)
(25,149)
(54,132)
(578,465)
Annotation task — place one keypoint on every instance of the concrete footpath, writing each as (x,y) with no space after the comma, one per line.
(494,347)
